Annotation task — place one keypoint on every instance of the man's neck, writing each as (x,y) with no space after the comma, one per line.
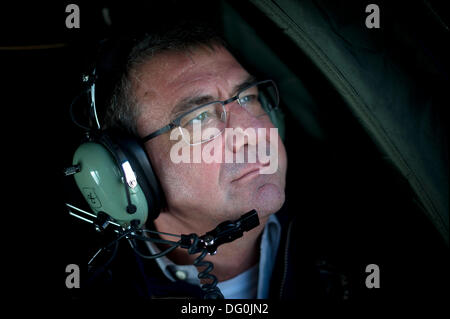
(231,258)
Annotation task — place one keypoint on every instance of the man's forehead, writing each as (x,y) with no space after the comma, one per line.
(174,68)
(169,77)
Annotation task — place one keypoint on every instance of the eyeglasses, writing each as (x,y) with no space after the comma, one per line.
(257,99)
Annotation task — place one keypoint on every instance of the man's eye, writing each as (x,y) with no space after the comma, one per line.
(201,117)
(247,99)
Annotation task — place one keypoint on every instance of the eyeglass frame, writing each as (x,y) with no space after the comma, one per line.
(176,122)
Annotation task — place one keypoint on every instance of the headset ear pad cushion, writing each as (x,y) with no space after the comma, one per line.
(140,163)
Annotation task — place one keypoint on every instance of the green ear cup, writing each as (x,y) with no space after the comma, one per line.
(103,187)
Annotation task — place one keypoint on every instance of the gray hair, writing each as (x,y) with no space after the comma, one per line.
(123,108)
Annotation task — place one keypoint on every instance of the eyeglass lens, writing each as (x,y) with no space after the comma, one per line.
(211,119)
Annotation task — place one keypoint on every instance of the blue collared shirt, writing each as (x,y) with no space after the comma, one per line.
(252,283)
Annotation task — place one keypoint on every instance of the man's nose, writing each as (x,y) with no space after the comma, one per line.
(242,128)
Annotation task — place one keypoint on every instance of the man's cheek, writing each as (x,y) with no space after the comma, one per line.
(191,178)
(203,178)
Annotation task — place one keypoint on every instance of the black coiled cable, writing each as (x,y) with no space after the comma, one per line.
(211,290)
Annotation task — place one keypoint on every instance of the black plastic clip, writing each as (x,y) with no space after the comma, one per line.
(229,231)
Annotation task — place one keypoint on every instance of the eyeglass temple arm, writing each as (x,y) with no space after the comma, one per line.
(158,132)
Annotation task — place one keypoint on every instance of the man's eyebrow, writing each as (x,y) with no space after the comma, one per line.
(250,79)
(185,104)
(195,100)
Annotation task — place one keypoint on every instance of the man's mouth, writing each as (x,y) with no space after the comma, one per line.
(249,172)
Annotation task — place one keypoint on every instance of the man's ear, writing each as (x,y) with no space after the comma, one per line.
(277,118)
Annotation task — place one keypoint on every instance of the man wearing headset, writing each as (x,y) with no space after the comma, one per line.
(170,81)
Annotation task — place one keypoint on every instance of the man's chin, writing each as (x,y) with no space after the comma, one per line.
(269,198)
(266,198)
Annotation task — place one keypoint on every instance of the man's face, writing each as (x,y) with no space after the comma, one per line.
(206,193)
